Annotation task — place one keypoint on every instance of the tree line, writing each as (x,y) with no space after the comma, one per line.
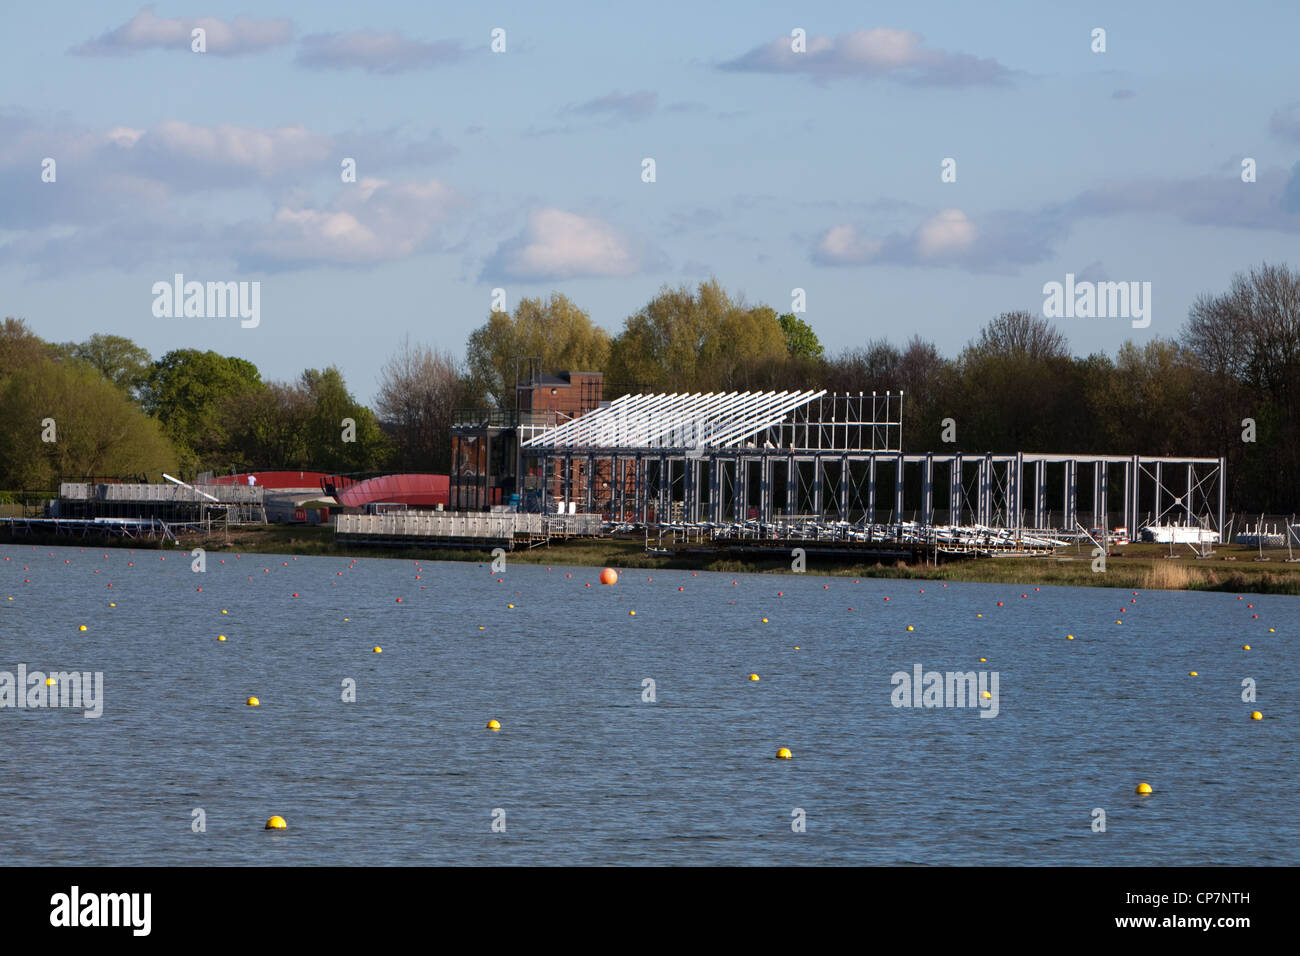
(1227,385)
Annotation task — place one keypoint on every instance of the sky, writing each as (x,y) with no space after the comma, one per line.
(524,168)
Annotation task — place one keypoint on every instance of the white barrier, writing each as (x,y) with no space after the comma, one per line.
(467,526)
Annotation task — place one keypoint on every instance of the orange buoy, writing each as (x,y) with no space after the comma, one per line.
(609,576)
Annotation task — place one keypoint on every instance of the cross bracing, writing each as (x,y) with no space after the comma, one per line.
(706,421)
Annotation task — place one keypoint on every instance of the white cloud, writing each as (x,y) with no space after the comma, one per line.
(123,136)
(946,238)
(563,245)
(947,234)
(882,52)
(843,245)
(263,151)
(371,222)
(171,191)
(146,31)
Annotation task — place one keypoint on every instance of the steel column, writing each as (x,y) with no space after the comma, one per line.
(898,488)
(927,490)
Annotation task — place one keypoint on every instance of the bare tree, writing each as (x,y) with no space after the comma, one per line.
(1022,334)
(419,389)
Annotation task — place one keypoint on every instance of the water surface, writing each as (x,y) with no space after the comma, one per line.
(589,773)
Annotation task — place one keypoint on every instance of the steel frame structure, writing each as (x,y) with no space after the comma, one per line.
(770,456)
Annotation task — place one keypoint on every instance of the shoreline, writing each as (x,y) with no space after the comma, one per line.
(1137,567)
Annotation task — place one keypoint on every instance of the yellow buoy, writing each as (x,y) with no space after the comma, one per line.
(221,637)
(796,647)
(1245,647)
(987,696)
(910,627)
(1271,631)
(983,660)
(764,620)
(224,611)
(753,677)
(494,725)
(1069,637)
(82,628)
(1256,715)
(110,603)
(276,823)
(1143,788)
(509,605)
(784,754)
(253,702)
(378,649)
(480,627)
(49,682)
(1193,674)
(631,613)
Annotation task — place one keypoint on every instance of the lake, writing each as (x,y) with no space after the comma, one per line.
(586,769)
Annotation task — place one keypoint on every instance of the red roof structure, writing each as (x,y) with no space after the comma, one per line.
(419,491)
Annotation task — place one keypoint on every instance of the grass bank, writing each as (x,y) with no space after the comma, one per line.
(1138,567)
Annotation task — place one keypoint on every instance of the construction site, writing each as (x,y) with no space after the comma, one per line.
(755,472)
(745,474)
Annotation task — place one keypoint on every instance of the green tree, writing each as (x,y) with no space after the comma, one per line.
(266,426)
(696,341)
(97,431)
(116,357)
(555,331)
(330,403)
(186,390)
(20,347)
(1148,402)
(800,339)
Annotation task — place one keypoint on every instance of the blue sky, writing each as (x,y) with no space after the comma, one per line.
(522,169)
